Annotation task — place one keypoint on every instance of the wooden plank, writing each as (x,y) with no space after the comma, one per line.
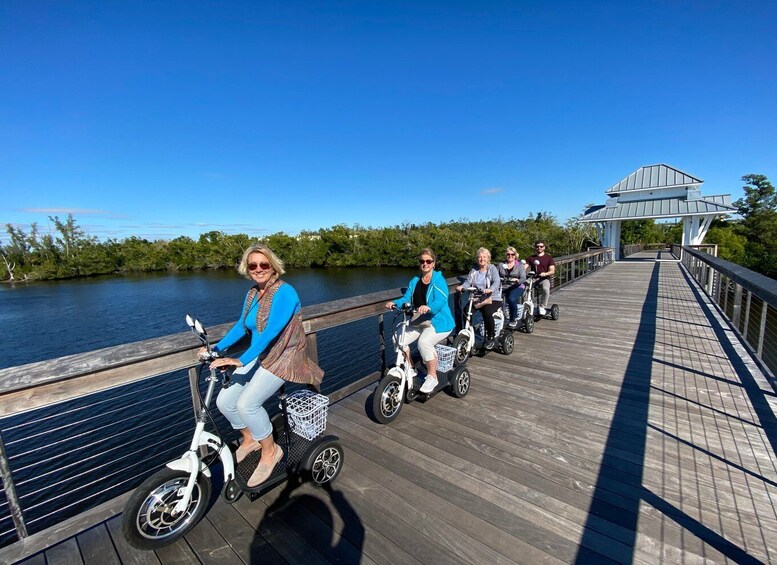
(128,555)
(177,553)
(209,545)
(64,553)
(96,546)
(244,540)
(37,559)
(62,531)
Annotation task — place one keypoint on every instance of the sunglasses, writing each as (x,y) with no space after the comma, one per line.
(426,261)
(264,266)
(539,246)
(510,254)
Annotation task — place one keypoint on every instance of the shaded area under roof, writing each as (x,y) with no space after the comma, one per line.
(660,208)
(654,176)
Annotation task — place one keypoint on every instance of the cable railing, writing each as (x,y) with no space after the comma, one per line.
(747,299)
(79,431)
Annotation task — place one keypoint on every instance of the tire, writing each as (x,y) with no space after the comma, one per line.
(554,312)
(507,343)
(387,400)
(528,322)
(461,345)
(460,381)
(324,461)
(146,520)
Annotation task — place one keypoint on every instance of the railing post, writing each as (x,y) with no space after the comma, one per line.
(737,304)
(747,314)
(312,340)
(10,494)
(717,287)
(382,345)
(762,330)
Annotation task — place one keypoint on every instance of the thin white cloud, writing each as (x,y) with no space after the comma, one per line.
(490,191)
(74,211)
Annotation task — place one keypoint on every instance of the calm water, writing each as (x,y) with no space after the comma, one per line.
(47,320)
(69,457)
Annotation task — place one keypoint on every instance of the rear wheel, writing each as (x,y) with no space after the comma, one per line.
(528,321)
(387,399)
(554,312)
(460,381)
(507,343)
(461,345)
(324,461)
(148,520)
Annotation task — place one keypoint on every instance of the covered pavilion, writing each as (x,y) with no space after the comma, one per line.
(657,192)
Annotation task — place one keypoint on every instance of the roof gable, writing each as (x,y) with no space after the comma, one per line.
(653,177)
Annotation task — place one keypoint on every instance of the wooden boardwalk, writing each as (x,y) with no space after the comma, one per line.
(633,429)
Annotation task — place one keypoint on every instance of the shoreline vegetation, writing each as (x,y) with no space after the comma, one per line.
(68,252)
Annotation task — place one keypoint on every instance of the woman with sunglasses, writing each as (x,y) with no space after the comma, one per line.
(514,270)
(277,353)
(428,292)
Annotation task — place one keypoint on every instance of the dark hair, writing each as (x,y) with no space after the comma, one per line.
(542,241)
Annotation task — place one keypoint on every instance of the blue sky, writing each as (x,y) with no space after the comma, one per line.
(160,119)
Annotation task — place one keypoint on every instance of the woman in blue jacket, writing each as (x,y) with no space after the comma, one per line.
(428,293)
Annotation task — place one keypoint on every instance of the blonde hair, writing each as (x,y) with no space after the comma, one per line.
(429,252)
(483,251)
(272,258)
(511,249)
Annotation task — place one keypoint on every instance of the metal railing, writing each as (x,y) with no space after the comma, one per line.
(747,299)
(62,432)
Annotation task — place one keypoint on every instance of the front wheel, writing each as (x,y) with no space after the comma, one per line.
(324,461)
(148,521)
(461,345)
(554,312)
(387,399)
(460,381)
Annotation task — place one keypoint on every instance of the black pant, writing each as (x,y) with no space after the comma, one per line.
(488,317)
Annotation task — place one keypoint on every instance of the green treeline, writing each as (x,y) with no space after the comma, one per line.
(69,252)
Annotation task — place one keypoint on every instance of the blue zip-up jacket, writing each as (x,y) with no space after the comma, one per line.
(436,300)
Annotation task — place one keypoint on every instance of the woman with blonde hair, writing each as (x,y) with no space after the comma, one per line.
(277,353)
(515,271)
(485,277)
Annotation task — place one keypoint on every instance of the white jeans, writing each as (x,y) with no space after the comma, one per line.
(427,339)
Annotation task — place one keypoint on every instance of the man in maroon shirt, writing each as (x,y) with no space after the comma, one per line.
(545,267)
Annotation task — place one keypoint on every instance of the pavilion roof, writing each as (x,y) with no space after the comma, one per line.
(653,177)
(660,208)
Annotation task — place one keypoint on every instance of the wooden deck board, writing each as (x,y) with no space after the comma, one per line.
(633,429)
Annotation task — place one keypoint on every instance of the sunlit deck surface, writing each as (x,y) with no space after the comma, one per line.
(633,429)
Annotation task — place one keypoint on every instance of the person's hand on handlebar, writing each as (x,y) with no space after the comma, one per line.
(488,291)
(390,305)
(224,362)
(423,309)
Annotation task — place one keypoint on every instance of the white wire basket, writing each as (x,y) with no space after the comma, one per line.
(307,413)
(445,357)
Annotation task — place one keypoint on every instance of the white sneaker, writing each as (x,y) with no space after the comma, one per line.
(543,311)
(429,385)
(411,373)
